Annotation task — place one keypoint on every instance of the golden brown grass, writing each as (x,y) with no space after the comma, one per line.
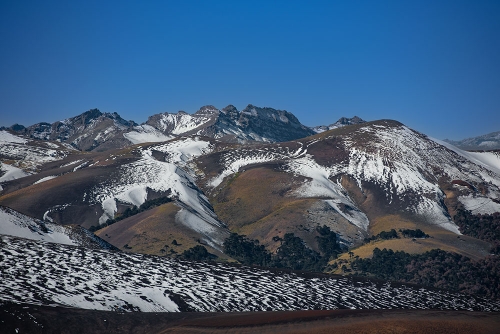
(251,196)
(149,232)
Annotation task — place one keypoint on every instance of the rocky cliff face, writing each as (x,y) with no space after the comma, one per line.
(251,124)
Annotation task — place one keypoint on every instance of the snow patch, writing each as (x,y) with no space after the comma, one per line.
(146,134)
(11,173)
(171,176)
(43,179)
(18,225)
(479,204)
(7,137)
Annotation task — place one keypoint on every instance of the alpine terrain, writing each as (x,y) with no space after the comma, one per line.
(490,141)
(225,210)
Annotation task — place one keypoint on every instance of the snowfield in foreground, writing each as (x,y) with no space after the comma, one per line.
(43,273)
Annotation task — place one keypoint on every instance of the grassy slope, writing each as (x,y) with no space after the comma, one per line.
(69,187)
(440,239)
(255,203)
(152,232)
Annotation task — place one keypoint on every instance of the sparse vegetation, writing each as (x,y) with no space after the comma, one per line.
(246,251)
(484,227)
(417,234)
(384,235)
(435,268)
(292,252)
(198,253)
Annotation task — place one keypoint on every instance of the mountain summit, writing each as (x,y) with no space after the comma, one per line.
(343,121)
(230,125)
(92,130)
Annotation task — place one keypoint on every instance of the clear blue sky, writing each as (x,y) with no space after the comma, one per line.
(433,65)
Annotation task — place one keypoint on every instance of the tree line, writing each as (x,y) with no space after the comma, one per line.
(435,268)
(292,253)
(484,227)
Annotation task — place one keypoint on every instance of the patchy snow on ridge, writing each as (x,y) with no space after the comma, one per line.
(26,154)
(182,122)
(180,152)
(52,274)
(394,159)
(479,204)
(136,178)
(234,160)
(235,166)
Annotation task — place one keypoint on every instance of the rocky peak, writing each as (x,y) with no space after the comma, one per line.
(343,121)
(207,110)
(230,111)
(349,121)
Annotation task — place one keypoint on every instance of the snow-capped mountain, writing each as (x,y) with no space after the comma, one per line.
(490,141)
(97,131)
(343,121)
(43,273)
(228,124)
(181,180)
(89,189)
(92,130)
(348,178)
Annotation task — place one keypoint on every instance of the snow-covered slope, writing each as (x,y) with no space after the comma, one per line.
(401,169)
(25,154)
(6,137)
(13,223)
(9,173)
(348,176)
(163,168)
(182,122)
(489,160)
(52,274)
(145,134)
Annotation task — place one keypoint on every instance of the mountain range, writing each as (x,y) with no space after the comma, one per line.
(252,186)
(490,141)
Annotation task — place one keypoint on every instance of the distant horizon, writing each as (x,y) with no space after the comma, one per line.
(434,66)
(239,109)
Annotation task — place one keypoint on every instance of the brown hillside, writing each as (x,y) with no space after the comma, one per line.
(153,232)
